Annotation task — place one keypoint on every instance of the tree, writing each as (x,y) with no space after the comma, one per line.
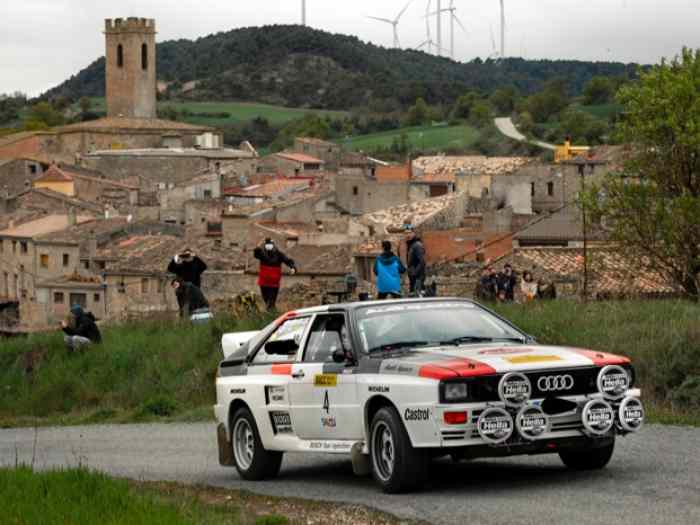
(464,104)
(85,104)
(653,207)
(480,114)
(418,113)
(526,124)
(504,99)
(598,90)
(43,115)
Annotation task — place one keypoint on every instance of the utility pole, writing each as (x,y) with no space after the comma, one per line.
(582,173)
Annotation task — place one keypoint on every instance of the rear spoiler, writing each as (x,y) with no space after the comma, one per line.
(230,343)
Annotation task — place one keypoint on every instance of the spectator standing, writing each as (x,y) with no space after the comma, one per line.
(80,329)
(193,305)
(270,274)
(415,260)
(188,267)
(506,283)
(529,287)
(388,268)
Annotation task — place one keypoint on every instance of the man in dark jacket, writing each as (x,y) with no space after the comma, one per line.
(270,275)
(190,299)
(506,283)
(388,268)
(80,329)
(188,267)
(416,262)
(487,288)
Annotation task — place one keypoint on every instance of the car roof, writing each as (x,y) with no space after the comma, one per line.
(346,307)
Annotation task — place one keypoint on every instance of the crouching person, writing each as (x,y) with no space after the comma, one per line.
(80,329)
(193,305)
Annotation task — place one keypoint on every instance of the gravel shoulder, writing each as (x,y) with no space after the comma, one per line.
(653,477)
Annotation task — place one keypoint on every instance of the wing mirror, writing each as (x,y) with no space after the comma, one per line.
(339,356)
(285,347)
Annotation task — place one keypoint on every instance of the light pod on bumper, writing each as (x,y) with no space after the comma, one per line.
(631,414)
(532,422)
(598,417)
(495,425)
(514,389)
(613,382)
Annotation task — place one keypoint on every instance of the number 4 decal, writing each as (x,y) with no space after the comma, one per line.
(326,403)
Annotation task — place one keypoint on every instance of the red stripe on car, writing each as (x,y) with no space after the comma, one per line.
(451,368)
(282,370)
(601,358)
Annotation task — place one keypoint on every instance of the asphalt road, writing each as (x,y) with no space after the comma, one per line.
(505,125)
(654,477)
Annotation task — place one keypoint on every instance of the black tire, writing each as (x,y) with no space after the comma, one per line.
(588,458)
(253,462)
(396,466)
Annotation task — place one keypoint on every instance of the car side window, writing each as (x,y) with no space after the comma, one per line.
(328,334)
(290,331)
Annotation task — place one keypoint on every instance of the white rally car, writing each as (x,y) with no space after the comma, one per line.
(394,384)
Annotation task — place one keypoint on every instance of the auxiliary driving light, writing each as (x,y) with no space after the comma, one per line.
(613,382)
(514,389)
(495,425)
(631,413)
(532,422)
(598,417)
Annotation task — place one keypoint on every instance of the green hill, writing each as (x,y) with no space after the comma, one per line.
(300,67)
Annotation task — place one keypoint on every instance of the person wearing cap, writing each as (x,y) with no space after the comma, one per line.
(415,261)
(80,329)
(270,274)
(188,267)
(388,268)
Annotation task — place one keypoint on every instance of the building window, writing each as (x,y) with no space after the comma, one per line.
(355,190)
(58,298)
(144,285)
(86,265)
(160,286)
(78,298)
(44,260)
(550,189)
(14,246)
(32,169)
(144,57)
(120,56)
(96,298)
(66,259)
(207,194)
(532,189)
(23,247)
(2,245)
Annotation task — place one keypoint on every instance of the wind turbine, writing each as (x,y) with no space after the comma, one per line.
(503,29)
(453,19)
(429,37)
(303,12)
(394,23)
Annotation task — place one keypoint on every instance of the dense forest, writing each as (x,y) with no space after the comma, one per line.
(298,66)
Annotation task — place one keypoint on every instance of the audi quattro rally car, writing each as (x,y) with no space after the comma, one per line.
(396,383)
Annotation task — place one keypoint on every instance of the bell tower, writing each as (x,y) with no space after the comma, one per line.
(131,67)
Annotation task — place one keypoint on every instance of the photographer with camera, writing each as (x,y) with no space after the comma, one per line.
(188,267)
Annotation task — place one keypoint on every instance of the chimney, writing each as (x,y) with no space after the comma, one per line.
(72,219)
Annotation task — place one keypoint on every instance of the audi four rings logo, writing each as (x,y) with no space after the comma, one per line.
(554,383)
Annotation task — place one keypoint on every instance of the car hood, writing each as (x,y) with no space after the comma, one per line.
(476,360)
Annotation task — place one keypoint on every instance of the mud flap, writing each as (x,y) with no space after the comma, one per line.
(360,462)
(226,458)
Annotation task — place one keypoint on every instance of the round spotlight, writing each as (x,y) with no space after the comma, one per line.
(514,389)
(532,422)
(495,425)
(631,414)
(613,382)
(598,417)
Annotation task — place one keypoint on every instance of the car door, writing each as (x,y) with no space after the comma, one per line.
(323,394)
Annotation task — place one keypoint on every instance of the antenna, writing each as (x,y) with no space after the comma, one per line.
(394,23)
(303,12)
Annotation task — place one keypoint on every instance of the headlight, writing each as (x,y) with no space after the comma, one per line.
(613,382)
(455,392)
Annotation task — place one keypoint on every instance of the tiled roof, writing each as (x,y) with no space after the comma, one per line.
(93,175)
(16,137)
(612,273)
(135,124)
(470,165)
(435,178)
(82,232)
(54,174)
(299,157)
(44,226)
(415,213)
(386,174)
(269,190)
(316,142)
(563,225)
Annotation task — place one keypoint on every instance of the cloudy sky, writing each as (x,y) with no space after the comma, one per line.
(42,42)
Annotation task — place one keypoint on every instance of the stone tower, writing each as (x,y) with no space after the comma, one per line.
(131,67)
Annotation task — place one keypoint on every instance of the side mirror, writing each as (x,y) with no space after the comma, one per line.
(339,356)
(286,347)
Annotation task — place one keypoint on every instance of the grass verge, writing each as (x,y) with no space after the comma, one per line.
(422,138)
(79,496)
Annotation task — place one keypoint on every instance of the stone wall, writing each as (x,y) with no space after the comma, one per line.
(358,194)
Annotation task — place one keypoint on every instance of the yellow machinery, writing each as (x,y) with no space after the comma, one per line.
(568,152)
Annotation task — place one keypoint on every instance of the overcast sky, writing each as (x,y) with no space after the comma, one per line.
(43,42)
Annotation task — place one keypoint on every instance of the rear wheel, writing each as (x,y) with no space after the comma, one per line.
(588,458)
(396,465)
(253,462)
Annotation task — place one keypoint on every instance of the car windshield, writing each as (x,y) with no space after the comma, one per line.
(402,325)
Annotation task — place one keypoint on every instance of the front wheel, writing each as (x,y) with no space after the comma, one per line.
(253,462)
(396,465)
(588,458)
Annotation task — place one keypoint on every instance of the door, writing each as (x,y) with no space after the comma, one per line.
(323,394)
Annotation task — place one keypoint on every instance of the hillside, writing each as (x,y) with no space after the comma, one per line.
(298,66)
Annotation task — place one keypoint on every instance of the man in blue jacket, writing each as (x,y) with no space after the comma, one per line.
(388,269)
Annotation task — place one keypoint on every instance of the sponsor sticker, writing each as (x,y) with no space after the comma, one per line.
(526,359)
(378,389)
(277,395)
(330,446)
(281,422)
(503,351)
(325,380)
(417,414)
(328,422)
(495,425)
(238,390)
